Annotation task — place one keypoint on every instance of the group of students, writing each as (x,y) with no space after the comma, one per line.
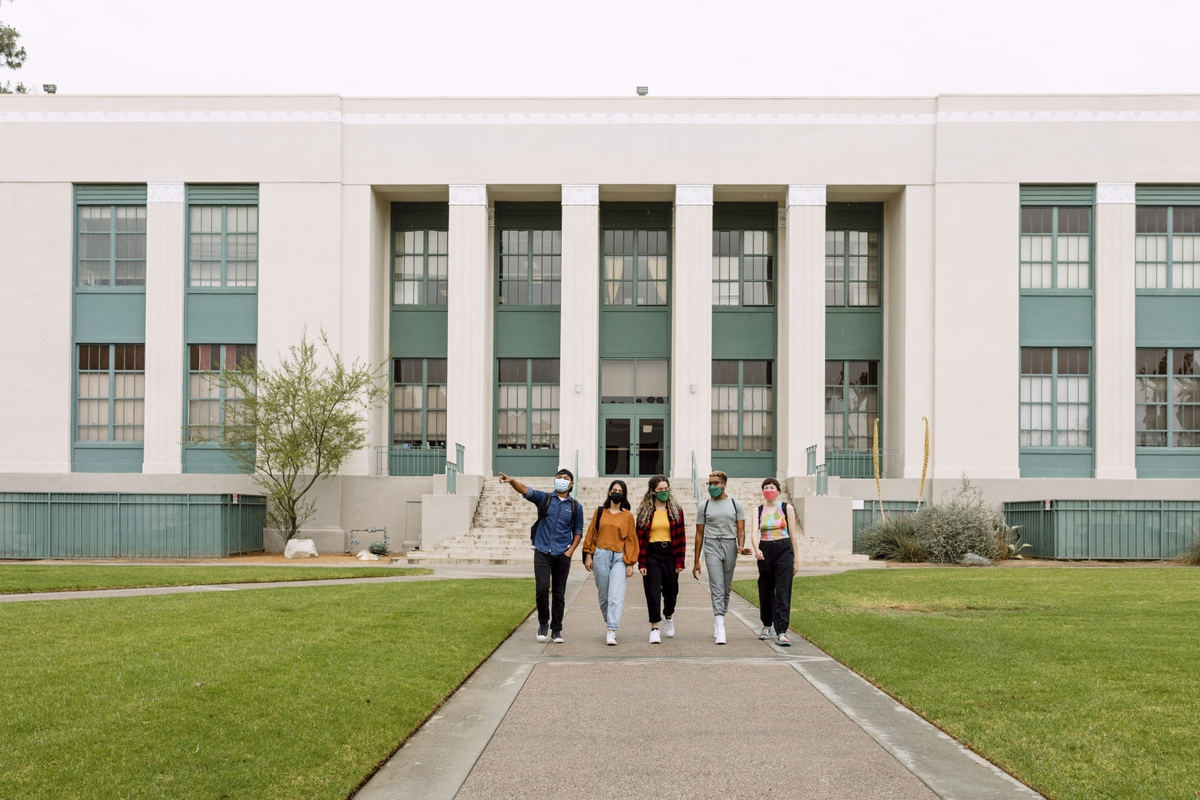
(654,540)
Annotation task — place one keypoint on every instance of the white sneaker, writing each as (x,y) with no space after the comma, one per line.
(669,627)
(717,625)
(611,639)
(655,638)
(720,634)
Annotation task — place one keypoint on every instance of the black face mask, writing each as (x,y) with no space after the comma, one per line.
(616,499)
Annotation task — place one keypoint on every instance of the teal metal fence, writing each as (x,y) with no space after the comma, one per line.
(856,464)
(868,515)
(810,460)
(410,460)
(1120,530)
(113,525)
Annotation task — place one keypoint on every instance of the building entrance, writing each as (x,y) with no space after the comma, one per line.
(635,446)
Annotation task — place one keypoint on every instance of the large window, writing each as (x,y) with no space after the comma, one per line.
(635,268)
(112,245)
(851,404)
(741,405)
(1056,247)
(422,263)
(208,401)
(419,402)
(530,268)
(223,246)
(527,404)
(851,268)
(630,380)
(743,268)
(110,393)
(1168,397)
(1166,251)
(1056,397)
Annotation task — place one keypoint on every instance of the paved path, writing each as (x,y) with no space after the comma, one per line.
(684,719)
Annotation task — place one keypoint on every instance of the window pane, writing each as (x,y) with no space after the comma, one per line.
(651,381)
(724,372)
(616,380)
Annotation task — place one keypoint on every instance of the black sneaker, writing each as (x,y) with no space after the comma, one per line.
(542,630)
(558,637)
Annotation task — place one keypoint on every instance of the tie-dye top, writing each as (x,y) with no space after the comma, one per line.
(773,524)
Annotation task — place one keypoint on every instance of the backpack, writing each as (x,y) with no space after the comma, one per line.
(782,508)
(736,505)
(544,508)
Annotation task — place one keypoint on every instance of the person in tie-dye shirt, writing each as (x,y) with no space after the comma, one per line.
(778,561)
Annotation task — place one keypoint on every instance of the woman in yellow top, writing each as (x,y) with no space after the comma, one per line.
(663,542)
(610,550)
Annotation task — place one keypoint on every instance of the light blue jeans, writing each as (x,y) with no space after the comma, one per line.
(609,569)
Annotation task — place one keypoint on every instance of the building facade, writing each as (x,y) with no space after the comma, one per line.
(629,286)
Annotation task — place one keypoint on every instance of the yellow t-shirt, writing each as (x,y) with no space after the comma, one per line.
(660,527)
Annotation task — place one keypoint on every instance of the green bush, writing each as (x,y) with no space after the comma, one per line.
(894,540)
(1191,554)
(943,533)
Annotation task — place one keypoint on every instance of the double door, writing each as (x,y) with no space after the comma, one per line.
(635,445)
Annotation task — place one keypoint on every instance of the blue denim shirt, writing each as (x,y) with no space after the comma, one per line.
(555,533)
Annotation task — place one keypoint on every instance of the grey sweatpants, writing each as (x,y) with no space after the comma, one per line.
(720,557)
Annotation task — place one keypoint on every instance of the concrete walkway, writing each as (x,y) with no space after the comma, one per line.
(684,719)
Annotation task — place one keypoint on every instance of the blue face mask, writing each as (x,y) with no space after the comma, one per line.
(561,484)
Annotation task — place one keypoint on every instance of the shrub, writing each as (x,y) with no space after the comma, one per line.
(1191,553)
(1008,541)
(961,523)
(894,540)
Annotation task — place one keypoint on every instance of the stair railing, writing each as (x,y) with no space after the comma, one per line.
(575,484)
(453,468)
(695,479)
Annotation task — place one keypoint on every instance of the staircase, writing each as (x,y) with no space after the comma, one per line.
(499,533)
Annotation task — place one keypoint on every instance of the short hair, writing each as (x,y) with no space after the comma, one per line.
(771,482)
(567,472)
(721,476)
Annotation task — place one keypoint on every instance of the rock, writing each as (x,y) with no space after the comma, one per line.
(973,560)
(366,555)
(300,548)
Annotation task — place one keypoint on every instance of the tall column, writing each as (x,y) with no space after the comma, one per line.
(469,330)
(801,394)
(165,232)
(1115,355)
(691,332)
(579,342)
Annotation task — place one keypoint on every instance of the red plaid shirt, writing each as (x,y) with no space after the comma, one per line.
(678,541)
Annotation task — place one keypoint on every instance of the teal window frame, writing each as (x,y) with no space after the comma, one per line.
(243,245)
(535,257)
(1171,394)
(118,242)
(1044,398)
(731,263)
(738,405)
(838,394)
(635,248)
(523,402)
(204,392)
(1037,222)
(111,368)
(431,285)
(1176,272)
(423,399)
(845,277)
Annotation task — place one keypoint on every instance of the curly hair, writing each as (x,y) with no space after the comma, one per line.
(645,512)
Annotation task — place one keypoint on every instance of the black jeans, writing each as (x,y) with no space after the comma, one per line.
(661,581)
(551,571)
(775,584)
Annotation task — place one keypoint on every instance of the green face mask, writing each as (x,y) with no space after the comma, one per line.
(663,496)
(715,491)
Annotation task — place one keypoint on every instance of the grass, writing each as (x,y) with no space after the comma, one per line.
(276,693)
(16,578)
(1083,683)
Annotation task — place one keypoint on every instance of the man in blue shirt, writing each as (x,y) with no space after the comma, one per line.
(559,529)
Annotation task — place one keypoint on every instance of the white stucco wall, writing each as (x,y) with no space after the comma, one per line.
(691,332)
(1116,339)
(165,367)
(579,342)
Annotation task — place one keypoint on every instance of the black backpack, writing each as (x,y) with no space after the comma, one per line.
(544,508)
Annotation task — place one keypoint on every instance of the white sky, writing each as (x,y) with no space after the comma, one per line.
(536,47)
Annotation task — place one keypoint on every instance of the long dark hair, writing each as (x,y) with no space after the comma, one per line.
(645,512)
(624,501)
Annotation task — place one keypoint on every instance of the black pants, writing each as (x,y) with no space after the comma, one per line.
(551,571)
(775,584)
(661,581)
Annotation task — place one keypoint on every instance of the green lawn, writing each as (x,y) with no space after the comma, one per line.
(1083,683)
(275,693)
(73,577)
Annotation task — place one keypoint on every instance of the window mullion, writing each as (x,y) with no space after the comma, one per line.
(740,406)
(1054,262)
(1054,389)
(845,405)
(112,246)
(1170,247)
(1170,397)
(529,404)
(112,390)
(424,403)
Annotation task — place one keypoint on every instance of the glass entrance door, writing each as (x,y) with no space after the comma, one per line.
(635,446)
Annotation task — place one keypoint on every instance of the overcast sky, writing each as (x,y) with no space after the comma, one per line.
(521,47)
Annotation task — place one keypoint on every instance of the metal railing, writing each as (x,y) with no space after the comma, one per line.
(454,468)
(695,479)
(575,485)
(396,460)
(860,464)
(822,480)
(810,459)
(1106,529)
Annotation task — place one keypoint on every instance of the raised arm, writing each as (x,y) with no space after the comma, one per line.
(517,486)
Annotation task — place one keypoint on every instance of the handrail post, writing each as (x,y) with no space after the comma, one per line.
(822,480)
(575,484)
(810,458)
(695,479)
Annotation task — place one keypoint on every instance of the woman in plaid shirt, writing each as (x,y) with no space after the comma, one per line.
(662,543)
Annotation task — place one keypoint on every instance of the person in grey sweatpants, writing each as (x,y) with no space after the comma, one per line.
(720,536)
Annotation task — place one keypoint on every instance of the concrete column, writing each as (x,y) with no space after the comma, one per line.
(1115,354)
(469,330)
(691,332)
(165,370)
(800,398)
(579,343)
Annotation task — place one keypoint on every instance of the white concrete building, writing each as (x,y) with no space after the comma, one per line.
(628,285)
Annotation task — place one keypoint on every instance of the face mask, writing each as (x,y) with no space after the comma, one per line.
(616,499)
(770,493)
(715,491)
(663,496)
(561,484)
